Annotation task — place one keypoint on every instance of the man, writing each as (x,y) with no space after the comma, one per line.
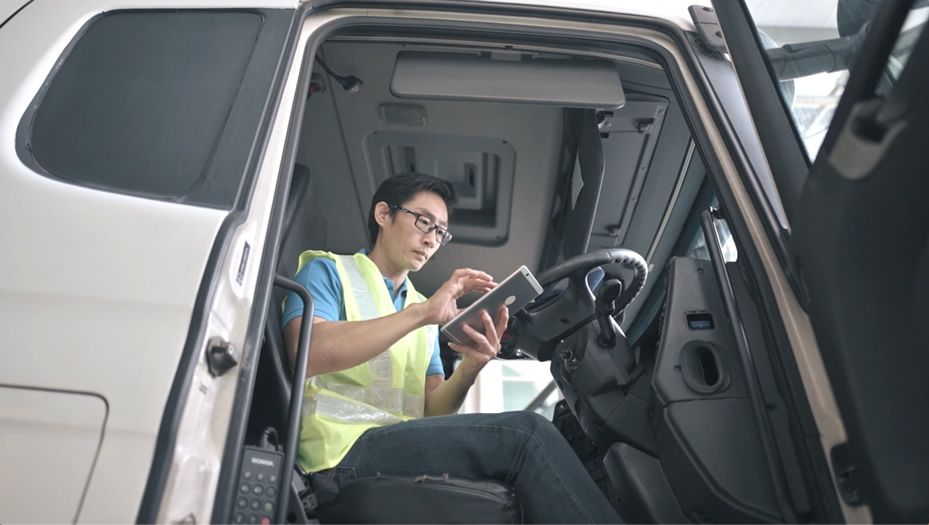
(374,369)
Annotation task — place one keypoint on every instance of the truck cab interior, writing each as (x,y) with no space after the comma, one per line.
(569,157)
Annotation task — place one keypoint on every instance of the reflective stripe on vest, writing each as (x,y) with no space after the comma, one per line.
(338,407)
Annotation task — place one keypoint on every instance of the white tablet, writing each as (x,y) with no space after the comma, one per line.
(515,292)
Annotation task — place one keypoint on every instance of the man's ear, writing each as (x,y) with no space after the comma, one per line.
(381,213)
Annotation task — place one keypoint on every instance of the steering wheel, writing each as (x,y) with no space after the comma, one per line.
(539,327)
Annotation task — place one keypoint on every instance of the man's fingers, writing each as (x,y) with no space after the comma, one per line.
(482,342)
(475,336)
(490,331)
(469,277)
(466,280)
(462,273)
(502,320)
(465,350)
(477,286)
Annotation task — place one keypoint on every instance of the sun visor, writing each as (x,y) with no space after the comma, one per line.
(458,76)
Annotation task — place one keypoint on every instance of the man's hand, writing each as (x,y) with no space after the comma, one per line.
(446,397)
(484,347)
(442,307)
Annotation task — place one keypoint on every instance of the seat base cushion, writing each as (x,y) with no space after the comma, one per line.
(423,499)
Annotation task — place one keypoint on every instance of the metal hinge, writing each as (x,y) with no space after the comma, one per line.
(221,356)
(711,35)
(846,475)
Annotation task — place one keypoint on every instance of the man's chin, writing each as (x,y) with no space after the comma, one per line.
(417,263)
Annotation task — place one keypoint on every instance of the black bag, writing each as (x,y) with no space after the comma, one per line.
(423,499)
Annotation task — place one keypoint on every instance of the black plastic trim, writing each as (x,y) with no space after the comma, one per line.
(167,434)
(778,236)
(779,137)
(655,300)
(296,393)
(806,437)
(752,386)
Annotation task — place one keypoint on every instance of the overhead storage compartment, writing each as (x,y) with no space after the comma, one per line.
(500,77)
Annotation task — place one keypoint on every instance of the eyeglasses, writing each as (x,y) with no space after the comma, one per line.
(427,225)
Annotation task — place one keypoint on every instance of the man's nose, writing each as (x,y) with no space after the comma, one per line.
(430,239)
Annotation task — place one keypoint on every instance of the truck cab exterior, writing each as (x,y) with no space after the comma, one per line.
(146,168)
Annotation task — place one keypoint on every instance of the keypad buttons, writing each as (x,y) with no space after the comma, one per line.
(242,503)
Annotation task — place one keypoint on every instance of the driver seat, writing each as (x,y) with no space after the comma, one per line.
(422,499)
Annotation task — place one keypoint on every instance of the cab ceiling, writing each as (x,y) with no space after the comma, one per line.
(338,127)
(333,145)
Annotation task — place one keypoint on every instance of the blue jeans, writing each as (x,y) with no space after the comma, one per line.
(521,449)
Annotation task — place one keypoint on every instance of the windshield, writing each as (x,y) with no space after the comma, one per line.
(810,46)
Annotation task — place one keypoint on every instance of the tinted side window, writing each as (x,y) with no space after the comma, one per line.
(140,101)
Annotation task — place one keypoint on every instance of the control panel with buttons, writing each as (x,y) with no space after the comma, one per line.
(259,481)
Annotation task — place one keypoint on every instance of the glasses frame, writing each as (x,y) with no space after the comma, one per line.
(443,239)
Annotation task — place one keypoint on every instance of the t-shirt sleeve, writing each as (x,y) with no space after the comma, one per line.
(322,280)
(435,363)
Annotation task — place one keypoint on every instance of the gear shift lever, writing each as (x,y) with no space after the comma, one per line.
(607,293)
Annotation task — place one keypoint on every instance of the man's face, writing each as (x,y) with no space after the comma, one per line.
(407,246)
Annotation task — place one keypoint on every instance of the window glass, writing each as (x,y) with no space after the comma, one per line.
(140,101)
(912,29)
(698,247)
(812,43)
(506,385)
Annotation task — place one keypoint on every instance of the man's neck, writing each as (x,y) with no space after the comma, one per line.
(388,270)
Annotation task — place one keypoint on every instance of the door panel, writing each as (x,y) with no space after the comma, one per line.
(47,431)
(860,244)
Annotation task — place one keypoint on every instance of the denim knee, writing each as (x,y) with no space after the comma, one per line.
(530,422)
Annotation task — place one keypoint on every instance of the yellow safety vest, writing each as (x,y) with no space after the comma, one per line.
(340,406)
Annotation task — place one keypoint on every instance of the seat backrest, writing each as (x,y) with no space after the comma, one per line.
(298,185)
(275,373)
(275,363)
(304,226)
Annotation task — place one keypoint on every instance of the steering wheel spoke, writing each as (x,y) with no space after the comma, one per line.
(558,314)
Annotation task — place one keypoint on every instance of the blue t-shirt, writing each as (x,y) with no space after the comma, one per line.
(322,280)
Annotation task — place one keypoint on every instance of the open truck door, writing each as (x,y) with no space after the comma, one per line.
(858,230)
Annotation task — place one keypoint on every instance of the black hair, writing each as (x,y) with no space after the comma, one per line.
(402,187)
